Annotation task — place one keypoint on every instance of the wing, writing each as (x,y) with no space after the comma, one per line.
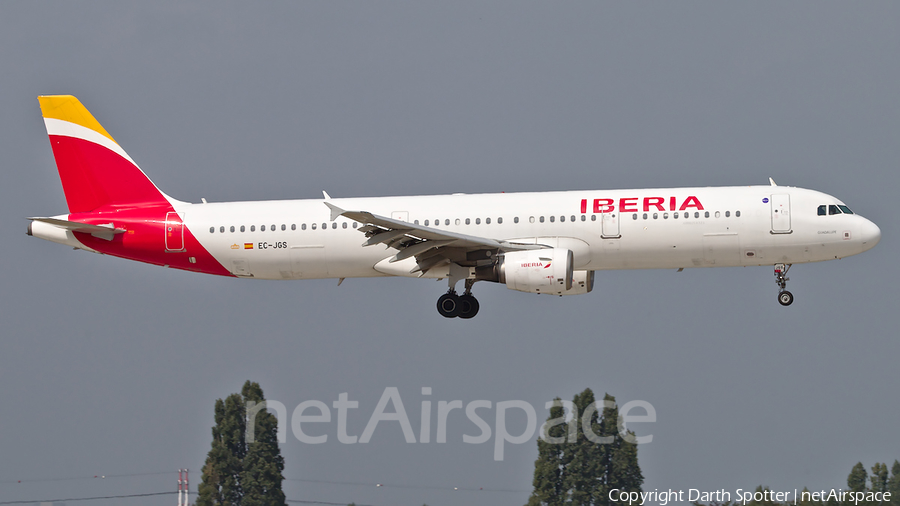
(431,247)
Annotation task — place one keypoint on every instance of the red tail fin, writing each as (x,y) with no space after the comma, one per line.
(95,171)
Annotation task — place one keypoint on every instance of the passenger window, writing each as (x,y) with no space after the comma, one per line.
(727,214)
(293,226)
(634,216)
(478,221)
(552,219)
(262,228)
(468,221)
(324,226)
(820,211)
(447,222)
(344,225)
(572,218)
(675,215)
(242,228)
(516,219)
(542,219)
(593,217)
(846,210)
(833,209)
(303,226)
(283,227)
(272,228)
(696,214)
(333,224)
(583,217)
(457,221)
(737,214)
(687,215)
(499,221)
(531,219)
(313,227)
(426,223)
(655,215)
(222,229)
(354,224)
(706,214)
(416,222)
(665,216)
(253,228)
(212,230)
(232,228)
(645,216)
(487,221)
(718,214)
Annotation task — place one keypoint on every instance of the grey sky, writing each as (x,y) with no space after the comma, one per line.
(111,367)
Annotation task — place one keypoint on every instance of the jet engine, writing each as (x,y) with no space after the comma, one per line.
(538,271)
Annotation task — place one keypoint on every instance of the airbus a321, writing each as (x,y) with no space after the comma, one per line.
(544,243)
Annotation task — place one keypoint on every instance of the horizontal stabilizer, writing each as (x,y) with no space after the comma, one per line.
(106,232)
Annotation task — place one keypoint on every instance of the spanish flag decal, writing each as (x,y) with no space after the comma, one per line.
(248,245)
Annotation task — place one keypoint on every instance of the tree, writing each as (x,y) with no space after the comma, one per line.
(581,468)
(879,478)
(220,484)
(584,460)
(548,468)
(262,464)
(856,481)
(237,473)
(620,457)
(894,484)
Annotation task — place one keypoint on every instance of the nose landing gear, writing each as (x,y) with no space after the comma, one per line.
(785,298)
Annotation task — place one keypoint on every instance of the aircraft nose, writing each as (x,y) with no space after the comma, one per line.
(870,235)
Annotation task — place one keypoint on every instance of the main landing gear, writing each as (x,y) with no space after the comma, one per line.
(465,306)
(785,298)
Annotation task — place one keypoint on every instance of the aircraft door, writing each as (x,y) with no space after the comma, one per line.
(174,232)
(609,225)
(781,214)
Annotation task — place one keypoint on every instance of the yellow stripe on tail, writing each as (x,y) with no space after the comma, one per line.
(68,108)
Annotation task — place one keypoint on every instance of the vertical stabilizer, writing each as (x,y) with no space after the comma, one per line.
(95,171)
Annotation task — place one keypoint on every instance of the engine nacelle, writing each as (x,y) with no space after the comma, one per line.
(582,282)
(537,271)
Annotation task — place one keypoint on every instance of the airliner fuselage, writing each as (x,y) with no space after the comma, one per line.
(547,242)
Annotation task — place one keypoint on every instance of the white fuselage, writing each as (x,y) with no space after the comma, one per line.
(611,229)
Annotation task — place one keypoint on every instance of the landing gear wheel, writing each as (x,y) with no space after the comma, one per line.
(785,298)
(468,306)
(448,305)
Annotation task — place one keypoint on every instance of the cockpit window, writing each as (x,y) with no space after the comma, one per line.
(846,210)
(833,209)
(821,211)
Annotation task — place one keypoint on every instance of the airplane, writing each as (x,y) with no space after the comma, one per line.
(542,242)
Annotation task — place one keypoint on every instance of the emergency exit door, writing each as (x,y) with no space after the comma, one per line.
(174,232)
(609,226)
(781,214)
